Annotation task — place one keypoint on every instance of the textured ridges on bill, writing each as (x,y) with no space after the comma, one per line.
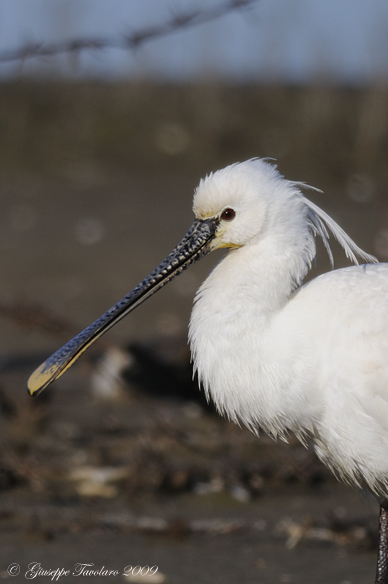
(189,249)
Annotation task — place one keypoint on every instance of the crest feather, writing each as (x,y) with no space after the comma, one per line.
(321,224)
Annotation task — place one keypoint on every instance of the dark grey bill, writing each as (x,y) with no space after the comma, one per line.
(194,245)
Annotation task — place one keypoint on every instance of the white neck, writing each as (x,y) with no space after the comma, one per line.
(232,332)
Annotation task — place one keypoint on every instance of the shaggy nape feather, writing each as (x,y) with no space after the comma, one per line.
(321,223)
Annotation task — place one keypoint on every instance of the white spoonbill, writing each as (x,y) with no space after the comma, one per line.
(272,353)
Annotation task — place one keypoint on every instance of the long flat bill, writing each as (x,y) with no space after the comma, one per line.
(194,245)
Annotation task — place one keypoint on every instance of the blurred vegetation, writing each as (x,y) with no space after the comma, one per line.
(142,127)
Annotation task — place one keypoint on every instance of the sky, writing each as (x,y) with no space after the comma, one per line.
(296,41)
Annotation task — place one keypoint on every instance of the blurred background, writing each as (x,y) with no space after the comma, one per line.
(110,113)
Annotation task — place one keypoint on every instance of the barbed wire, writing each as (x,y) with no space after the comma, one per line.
(131,41)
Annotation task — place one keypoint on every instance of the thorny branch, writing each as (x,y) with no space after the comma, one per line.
(129,41)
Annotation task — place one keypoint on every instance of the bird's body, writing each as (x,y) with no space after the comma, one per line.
(310,359)
(272,353)
(317,365)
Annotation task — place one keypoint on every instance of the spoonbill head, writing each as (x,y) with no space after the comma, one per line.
(272,353)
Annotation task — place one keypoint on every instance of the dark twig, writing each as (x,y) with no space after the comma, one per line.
(35,317)
(129,41)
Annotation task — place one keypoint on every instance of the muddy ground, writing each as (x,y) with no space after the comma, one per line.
(145,480)
(95,190)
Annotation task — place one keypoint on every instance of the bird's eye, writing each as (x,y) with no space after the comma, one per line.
(228,214)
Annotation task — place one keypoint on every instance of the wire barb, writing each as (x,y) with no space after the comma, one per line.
(130,41)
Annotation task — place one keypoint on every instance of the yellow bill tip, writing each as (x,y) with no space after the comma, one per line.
(41,378)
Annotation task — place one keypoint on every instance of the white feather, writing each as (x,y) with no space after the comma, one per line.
(273,354)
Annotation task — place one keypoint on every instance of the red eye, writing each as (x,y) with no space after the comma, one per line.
(228,214)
